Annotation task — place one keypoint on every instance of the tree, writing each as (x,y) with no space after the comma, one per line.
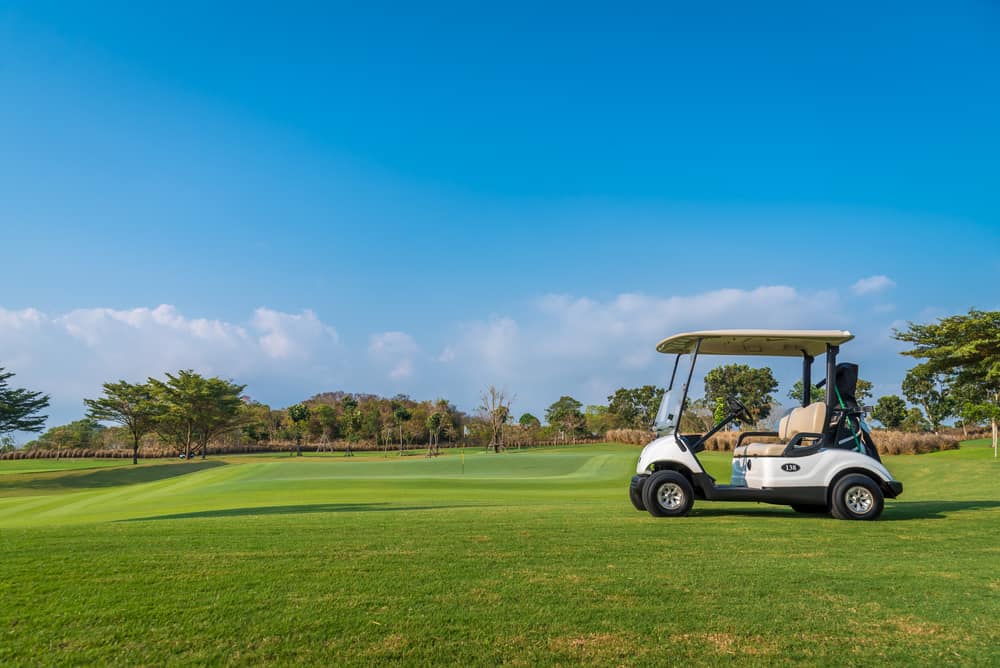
(415,429)
(453,420)
(751,386)
(82,434)
(966,348)
(298,413)
(698,415)
(324,417)
(494,407)
(528,429)
(222,411)
(133,406)
(815,393)
(890,410)
(20,409)
(350,419)
(967,405)
(529,421)
(915,421)
(400,414)
(434,423)
(194,410)
(928,389)
(276,420)
(179,401)
(863,391)
(258,419)
(635,408)
(566,414)
(598,420)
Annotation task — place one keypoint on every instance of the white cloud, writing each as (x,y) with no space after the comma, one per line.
(27,318)
(395,351)
(588,346)
(872,284)
(493,344)
(98,325)
(70,355)
(285,335)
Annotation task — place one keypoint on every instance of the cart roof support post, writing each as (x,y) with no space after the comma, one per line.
(831,375)
(807,361)
(687,385)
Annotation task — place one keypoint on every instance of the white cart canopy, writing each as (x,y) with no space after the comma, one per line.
(772,342)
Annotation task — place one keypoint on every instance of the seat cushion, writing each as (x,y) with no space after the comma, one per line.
(760,450)
(810,419)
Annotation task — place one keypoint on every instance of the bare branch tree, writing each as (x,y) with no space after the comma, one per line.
(495,409)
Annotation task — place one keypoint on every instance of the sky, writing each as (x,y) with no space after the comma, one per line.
(308,197)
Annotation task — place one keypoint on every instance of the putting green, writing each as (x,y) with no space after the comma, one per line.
(532,557)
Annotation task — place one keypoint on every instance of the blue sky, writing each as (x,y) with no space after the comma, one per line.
(429,199)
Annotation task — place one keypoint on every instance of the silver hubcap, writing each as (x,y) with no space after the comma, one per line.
(859,500)
(670,495)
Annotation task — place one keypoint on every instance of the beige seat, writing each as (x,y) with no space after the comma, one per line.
(760,450)
(808,420)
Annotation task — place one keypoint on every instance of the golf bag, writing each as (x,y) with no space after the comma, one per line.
(847,423)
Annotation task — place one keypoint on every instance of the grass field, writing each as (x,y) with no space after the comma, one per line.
(526,558)
(37,465)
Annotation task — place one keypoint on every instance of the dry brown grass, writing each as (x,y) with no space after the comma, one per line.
(908,443)
(629,436)
(887,442)
(159,451)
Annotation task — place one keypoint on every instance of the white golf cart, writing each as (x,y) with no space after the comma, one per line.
(823,459)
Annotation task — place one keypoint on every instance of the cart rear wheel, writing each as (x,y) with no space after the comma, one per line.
(857,497)
(668,494)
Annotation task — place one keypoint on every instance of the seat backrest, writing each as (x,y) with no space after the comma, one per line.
(809,419)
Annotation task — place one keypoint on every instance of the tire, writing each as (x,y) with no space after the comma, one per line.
(810,509)
(856,497)
(635,496)
(667,494)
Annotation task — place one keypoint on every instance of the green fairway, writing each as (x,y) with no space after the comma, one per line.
(36,465)
(526,558)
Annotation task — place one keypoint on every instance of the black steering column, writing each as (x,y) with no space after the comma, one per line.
(737,410)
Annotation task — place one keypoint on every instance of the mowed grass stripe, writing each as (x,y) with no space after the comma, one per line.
(41,465)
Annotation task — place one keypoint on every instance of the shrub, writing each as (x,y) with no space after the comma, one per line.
(629,436)
(887,442)
(910,443)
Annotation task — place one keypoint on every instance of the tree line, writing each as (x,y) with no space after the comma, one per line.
(959,378)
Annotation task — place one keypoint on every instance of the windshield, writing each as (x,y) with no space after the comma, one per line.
(668,415)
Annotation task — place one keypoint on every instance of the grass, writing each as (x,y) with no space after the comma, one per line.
(37,465)
(527,558)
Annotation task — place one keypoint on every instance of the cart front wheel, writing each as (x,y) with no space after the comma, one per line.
(635,496)
(668,494)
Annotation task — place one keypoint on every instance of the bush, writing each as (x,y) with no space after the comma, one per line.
(629,436)
(887,442)
(910,443)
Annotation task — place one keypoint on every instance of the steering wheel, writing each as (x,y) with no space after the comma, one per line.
(739,410)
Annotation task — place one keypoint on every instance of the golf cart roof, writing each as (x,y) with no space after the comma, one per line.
(771,342)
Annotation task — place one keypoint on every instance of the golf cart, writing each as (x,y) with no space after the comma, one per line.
(820,460)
